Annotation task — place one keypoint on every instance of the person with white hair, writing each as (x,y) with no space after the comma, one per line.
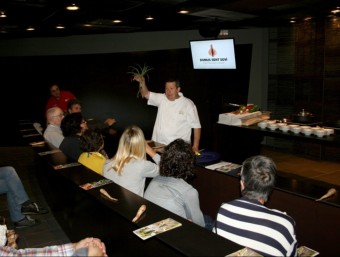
(53,133)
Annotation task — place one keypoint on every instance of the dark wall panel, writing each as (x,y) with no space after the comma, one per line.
(104,86)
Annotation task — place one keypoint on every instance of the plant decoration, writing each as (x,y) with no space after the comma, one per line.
(141,71)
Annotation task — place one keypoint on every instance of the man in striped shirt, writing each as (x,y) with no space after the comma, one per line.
(246,221)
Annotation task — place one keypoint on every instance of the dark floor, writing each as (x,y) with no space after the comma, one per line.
(50,233)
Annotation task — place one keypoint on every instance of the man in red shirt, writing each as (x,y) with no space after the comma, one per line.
(59,98)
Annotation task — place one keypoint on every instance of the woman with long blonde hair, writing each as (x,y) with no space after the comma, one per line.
(129,167)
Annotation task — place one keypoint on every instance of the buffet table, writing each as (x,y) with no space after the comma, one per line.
(236,143)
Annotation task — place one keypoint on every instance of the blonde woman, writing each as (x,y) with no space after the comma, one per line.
(129,166)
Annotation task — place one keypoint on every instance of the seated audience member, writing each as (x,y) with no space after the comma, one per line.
(19,204)
(73,125)
(170,189)
(8,237)
(53,133)
(75,106)
(59,98)
(129,167)
(94,156)
(106,127)
(86,247)
(246,221)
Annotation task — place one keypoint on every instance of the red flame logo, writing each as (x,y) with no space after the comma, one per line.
(212,51)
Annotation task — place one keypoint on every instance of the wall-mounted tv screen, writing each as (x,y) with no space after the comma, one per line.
(213,53)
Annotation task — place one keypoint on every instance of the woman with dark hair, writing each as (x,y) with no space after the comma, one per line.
(94,155)
(73,125)
(170,189)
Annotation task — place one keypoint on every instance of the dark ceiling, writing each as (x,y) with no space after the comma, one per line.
(97,16)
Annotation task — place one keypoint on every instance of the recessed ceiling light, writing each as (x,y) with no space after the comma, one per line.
(59,27)
(3,14)
(183,11)
(117,21)
(30,28)
(149,18)
(72,7)
(335,11)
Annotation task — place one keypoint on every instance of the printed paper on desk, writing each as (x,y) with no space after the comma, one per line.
(306,251)
(245,252)
(95,184)
(223,166)
(67,165)
(49,152)
(157,228)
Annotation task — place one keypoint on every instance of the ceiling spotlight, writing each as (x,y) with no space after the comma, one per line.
(2,14)
(117,21)
(149,18)
(292,20)
(72,7)
(183,11)
(336,11)
(60,27)
(30,28)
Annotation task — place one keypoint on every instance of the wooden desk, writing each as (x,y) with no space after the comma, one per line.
(85,213)
(82,213)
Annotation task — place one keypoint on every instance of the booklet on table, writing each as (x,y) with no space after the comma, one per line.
(157,228)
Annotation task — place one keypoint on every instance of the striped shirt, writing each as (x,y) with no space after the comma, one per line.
(55,250)
(248,223)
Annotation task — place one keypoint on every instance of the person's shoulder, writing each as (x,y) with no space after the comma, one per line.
(71,140)
(187,99)
(231,202)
